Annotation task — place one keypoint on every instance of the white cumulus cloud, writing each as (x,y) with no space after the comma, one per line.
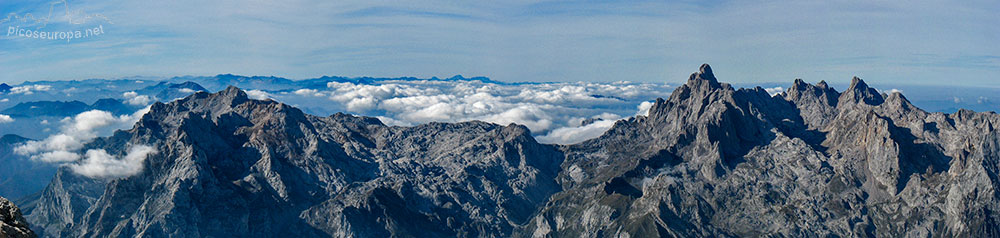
(644,108)
(99,164)
(76,131)
(134,98)
(258,94)
(553,111)
(572,135)
(774,91)
(544,108)
(5,119)
(308,92)
(30,89)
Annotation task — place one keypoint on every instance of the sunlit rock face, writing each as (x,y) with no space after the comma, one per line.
(12,224)
(708,161)
(228,165)
(712,160)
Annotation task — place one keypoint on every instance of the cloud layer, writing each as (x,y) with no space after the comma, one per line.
(99,164)
(133,98)
(557,108)
(30,89)
(62,147)
(75,132)
(561,113)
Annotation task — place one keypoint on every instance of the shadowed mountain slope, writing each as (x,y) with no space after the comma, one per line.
(709,161)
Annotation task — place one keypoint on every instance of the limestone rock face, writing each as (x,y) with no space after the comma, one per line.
(709,161)
(230,166)
(716,161)
(12,224)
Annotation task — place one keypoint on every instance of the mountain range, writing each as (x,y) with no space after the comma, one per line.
(709,161)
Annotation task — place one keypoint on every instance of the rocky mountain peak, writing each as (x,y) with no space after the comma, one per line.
(859,92)
(233,94)
(821,87)
(816,103)
(703,157)
(897,104)
(217,103)
(820,91)
(709,161)
(799,84)
(704,76)
(229,165)
(822,84)
(701,87)
(705,71)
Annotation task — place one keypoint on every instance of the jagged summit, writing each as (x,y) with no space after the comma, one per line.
(700,85)
(898,100)
(799,83)
(704,76)
(717,161)
(228,98)
(705,72)
(709,161)
(859,92)
(232,92)
(822,84)
(226,165)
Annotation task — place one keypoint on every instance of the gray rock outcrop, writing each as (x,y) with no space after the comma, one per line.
(230,166)
(12,224)
(716,161)
(709,161)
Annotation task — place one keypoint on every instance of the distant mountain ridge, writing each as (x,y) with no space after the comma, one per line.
(166,91)
(19,175)
(302,165)
(708,161)
(162,91)
(273,83)
(66,108)
(46,108)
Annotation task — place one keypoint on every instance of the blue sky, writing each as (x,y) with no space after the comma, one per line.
(885,42)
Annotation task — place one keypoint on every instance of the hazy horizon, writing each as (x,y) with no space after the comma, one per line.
(925,43)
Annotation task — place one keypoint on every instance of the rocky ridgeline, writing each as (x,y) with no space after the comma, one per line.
(230,166)
(12,224)
(708,161)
